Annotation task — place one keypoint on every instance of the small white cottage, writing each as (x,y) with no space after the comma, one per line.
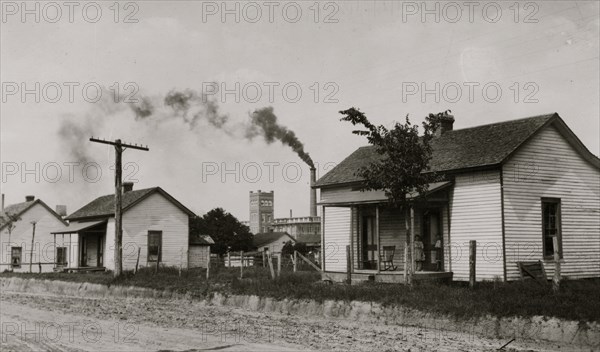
(513,186)
(155,229)
(25,234)
(271,241)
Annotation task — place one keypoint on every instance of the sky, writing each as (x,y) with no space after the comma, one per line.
(70,72)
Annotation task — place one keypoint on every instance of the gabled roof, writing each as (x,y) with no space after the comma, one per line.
(263,239)
(80,227)
(204,240)
(465,149)
(105,206)
(19,209)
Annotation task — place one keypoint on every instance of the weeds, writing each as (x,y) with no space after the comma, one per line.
(577,299)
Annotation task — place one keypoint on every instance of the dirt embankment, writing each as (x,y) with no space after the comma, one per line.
(295,324)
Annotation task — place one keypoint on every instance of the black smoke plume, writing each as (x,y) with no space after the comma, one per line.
(264,122)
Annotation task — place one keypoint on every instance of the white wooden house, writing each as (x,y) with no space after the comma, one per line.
(511,186)
(155,228)
(17,223)
(271,241)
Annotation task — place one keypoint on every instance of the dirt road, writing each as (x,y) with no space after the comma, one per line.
(61,323)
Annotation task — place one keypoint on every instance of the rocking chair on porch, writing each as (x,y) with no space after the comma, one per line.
(387,258)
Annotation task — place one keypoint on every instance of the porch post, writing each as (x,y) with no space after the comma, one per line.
(55,250)
(323,239)
(351,264)
(377,236)
(448,245)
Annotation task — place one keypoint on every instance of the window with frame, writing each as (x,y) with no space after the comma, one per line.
(154,246)
(551,227)
(15,256)
(61,255)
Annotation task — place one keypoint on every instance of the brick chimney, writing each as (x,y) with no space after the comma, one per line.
(445,123)
(29,198)
(61,210)
(127,187)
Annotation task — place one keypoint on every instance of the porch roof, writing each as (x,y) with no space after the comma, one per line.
(78,227)
(379,196)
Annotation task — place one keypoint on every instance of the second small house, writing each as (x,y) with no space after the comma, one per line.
(155,229)
(271,241)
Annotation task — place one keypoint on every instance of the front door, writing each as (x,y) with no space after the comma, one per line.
(432,232)
(369,246)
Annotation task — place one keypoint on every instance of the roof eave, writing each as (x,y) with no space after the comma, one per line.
(41,202)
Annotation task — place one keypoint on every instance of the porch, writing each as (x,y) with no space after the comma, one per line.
(364,234)
(81,247)
(387,277)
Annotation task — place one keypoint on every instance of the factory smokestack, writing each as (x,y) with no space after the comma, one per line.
(313,192)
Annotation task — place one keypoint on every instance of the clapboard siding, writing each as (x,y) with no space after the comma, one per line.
(547,166)
(155,213)
(43,247)
(475,214)
(347,194)
(336,232)
(355,232)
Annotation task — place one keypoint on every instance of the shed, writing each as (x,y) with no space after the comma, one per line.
(199,251)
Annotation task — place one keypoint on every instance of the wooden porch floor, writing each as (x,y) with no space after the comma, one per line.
(387,276)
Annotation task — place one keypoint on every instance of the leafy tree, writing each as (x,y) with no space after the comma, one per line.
(225,229)
(404,155)
(288,248)
(301,248)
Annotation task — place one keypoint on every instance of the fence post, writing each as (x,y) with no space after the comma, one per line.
(279,265)
(472,262)
(208,264)
(269,258)
(180,259)
(405,263)
(157,259)
(264,260)
(348,266)
(295,261)
(556,278)
(241,264)
(228,259)
(137,261)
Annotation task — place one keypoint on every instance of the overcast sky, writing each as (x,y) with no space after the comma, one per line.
(537,58)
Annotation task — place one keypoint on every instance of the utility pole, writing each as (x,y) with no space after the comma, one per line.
(119,148)
(32,246)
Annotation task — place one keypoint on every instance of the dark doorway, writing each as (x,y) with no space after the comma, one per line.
(368,242)
(432,232)
(83,256)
